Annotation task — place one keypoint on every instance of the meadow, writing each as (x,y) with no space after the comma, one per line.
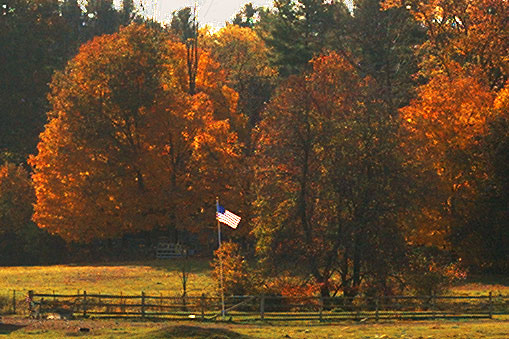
(152,277)
(160,276)
(163,277)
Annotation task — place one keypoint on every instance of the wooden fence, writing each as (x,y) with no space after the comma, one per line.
(266,308)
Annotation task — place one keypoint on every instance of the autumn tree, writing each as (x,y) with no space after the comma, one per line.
(472,34)
(16,199)
(457,125)
(185,27)
(478,233)
(456,128)
(244,58)
(127,148)
(331,180)
(21,242)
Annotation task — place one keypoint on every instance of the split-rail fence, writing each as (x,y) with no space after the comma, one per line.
(265,308)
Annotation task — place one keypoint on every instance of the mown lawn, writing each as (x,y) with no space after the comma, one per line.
(486,329)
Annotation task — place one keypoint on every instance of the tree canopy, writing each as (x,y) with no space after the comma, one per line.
(362,142)
(127,147)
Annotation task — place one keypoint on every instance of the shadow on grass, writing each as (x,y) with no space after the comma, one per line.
(194,265)
(193,332)
(8,328)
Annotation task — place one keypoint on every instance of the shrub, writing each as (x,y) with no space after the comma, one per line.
(432,272)
(238,278)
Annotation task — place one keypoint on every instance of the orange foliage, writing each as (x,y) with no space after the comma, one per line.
(449,112)
(444,123)
(126,147)
(472,33)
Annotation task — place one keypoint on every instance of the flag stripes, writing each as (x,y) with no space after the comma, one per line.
(227,217)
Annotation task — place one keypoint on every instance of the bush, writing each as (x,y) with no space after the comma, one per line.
(432,272)
(238,278)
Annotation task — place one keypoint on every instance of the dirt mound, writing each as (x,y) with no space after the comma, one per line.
(193,332)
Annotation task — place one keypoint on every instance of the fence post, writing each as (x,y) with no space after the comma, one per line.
(357,310)
(84,304)
(99,298)
(30,302)
(262,307)
(142,304)
(490,305)
(13,301)
(161,302)
(432,304)
(202,306)
(41,303)
(321,307)
(377,304)
(122,303)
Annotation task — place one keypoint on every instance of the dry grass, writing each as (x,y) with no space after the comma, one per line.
(486,329)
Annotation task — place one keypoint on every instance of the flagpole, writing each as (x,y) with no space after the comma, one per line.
(220,259)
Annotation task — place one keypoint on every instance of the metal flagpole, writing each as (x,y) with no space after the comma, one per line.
(220,259)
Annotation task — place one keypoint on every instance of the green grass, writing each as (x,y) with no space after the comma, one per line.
(162,277)
(488,329)
(154,277)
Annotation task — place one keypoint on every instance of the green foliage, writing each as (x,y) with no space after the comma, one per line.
(331,178)
(37,38)
(247,17)
(183,25)
(479,232)
(295,31)
(384,43)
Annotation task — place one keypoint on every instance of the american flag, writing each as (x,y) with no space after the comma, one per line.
(227,217)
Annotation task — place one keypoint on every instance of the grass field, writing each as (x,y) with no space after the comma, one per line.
(162,277)
(486,329)
(155,277)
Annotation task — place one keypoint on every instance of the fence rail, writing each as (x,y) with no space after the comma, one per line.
(266,308)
